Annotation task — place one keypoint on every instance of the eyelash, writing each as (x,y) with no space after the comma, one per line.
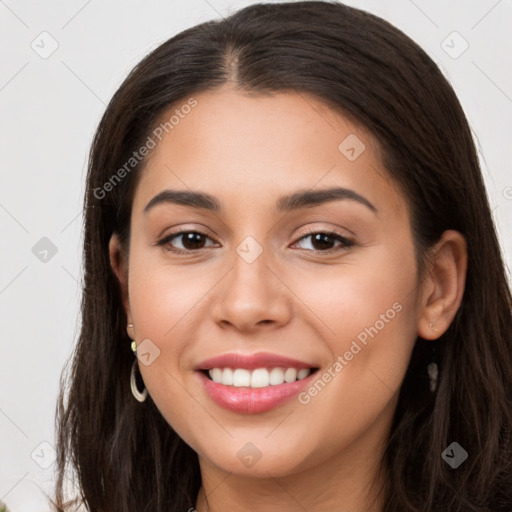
(345,242)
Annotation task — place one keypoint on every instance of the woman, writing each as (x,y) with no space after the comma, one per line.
(286,222)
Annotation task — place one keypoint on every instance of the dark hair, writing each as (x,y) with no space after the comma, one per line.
(124,454)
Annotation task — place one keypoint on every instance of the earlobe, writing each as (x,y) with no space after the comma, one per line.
(444,287)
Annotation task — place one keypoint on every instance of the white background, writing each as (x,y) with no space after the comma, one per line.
(49,110)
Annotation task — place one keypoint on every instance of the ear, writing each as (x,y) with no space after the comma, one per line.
(443,288)
(120,267)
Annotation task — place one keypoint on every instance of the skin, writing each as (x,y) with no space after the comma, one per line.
(247,151)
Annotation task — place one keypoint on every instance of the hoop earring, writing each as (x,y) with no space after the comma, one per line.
(139,396)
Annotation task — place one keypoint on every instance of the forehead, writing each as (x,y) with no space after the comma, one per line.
(250,148)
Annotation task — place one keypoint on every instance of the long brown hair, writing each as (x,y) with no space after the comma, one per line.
(124,455)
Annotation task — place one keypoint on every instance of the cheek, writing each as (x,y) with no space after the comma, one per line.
(164,297)
(167,302)
(375,289)
(370,312)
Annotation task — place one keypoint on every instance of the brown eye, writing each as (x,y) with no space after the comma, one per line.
(190,241)
(323,241)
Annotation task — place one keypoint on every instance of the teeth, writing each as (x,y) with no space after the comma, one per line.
(216,374)
(258,378)
(276,376)
(290,375)
(241,377)
(226,376)
(302,373)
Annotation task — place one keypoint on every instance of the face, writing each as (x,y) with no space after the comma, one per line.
(311,305)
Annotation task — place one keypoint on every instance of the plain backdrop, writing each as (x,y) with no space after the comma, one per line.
(61,62)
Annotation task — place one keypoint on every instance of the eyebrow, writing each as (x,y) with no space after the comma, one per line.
(295,201)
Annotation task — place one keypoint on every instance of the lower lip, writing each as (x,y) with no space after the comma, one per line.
(246,400)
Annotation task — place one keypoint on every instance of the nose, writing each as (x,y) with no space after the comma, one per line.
(252,296)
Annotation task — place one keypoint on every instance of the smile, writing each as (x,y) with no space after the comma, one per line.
(258,378)
(256,383)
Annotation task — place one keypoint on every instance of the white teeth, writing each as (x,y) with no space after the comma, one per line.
(227,377)
(216,374)
(258,378)
(290,375)
(241,377)
(303,373)
(276,376)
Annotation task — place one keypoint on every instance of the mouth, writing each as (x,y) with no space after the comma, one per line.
(258,377)
(256,383)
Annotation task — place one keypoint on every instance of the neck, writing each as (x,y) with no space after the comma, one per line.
(349,480)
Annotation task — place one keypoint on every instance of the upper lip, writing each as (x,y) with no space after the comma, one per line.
(251,362)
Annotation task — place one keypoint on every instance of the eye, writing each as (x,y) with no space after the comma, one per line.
(191,241)
(323,240)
